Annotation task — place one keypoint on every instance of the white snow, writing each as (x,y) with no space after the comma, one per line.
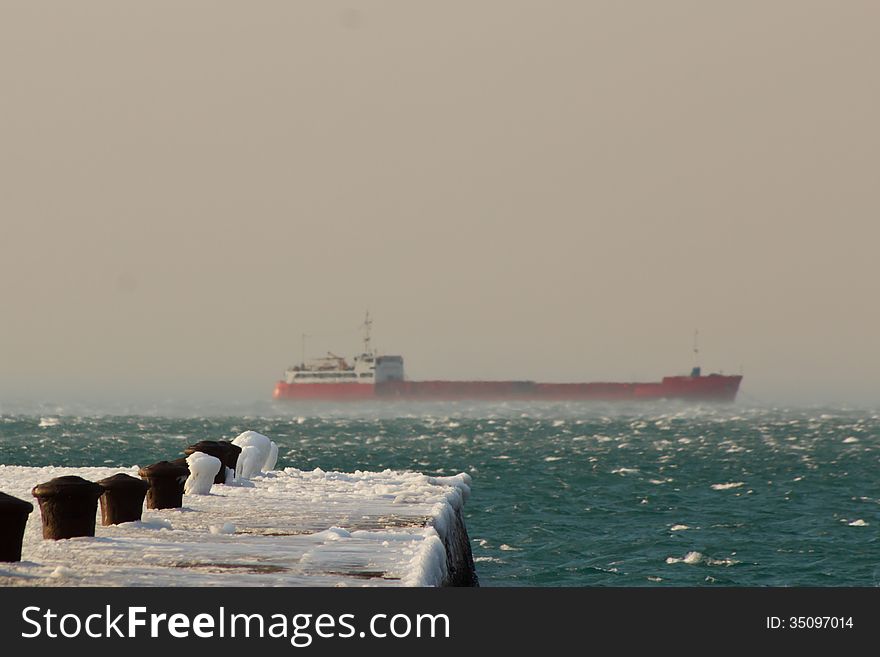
(333,534)
(62,571)
(202,470)
(290,528)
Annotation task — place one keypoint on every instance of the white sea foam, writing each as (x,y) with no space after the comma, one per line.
(488,560)
(728,486)
(678,528)
(690,558)
(693,557)
(858,523)
(722,562)
(49,422)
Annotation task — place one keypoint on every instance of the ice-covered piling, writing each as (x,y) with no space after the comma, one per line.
(13,519)
(230,460)
(256,451)
(249,462)
(203,468)
(272,459)
(223,450)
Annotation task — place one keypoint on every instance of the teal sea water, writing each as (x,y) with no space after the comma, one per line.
(566,494)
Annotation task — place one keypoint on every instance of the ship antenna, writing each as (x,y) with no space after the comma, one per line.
(366,325)
(303,336)
(696,370)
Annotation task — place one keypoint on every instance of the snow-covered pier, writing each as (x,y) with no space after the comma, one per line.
(281,528)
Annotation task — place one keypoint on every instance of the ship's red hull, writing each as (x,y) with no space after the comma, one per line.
(325,391)
(713,387)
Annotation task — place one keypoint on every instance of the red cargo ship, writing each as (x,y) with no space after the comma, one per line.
(371,376)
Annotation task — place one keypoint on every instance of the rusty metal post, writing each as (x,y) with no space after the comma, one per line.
(13,519)
(166,484)
(123,499)
(68,506)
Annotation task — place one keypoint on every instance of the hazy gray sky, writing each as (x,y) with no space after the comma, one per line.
(543,190)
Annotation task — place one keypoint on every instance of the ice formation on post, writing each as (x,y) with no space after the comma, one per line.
(249,462)
(272,459)
(202,470)
(261,447)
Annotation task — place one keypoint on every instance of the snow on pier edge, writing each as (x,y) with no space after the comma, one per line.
(283,528)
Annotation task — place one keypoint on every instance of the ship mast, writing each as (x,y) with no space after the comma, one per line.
(368,323)
(696,370)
